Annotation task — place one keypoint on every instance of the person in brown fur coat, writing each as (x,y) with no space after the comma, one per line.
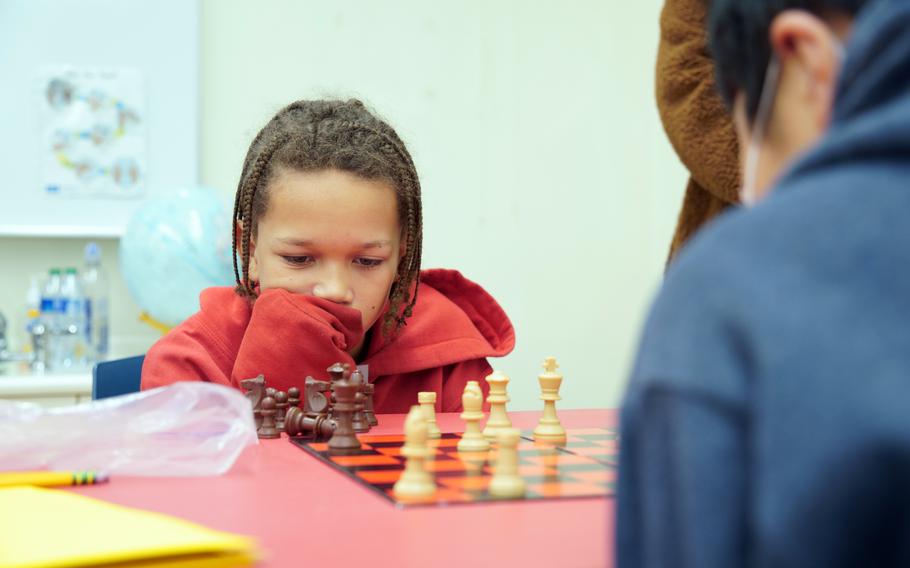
(694,117)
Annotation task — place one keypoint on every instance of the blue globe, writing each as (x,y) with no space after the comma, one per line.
(174,246)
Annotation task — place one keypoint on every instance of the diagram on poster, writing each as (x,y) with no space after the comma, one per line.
(93,134)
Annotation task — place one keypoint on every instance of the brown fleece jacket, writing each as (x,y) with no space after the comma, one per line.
(694,117)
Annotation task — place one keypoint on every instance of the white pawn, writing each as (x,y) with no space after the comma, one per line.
(427,402)
(472,400)
(549,429)
(498,398)
(415,481)
(506,481)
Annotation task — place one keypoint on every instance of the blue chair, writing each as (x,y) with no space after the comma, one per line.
(120,376)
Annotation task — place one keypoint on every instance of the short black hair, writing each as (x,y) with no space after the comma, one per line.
(738,34)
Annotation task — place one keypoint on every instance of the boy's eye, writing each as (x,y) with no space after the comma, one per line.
(298,260)
(368,262)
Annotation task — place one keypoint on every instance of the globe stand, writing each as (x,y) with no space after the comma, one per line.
(163,328)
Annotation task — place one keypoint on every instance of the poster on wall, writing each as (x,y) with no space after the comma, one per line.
(93,132)
(101,115)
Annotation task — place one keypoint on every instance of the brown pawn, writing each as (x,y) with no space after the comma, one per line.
(268,411)
(368,390)
(344,392)
(281,403)
(347,370)
(361,424)
(293,397)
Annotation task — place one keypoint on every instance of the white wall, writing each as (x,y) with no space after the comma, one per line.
(545,172)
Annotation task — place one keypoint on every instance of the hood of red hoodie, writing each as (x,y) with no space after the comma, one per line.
(453,320)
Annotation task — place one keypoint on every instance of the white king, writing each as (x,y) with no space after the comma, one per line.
(549,429)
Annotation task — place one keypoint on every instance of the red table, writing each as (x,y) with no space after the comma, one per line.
(304,513)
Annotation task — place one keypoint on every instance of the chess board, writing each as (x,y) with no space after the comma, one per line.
(584,467)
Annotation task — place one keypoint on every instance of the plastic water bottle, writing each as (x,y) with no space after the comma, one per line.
(97,316)
(32,312)
(72,322)
(33,301)
(50,309)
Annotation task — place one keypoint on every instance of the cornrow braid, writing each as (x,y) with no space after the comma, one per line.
(243,211)
(332,134)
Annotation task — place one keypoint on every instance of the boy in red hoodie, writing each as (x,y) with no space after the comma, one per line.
(327,218)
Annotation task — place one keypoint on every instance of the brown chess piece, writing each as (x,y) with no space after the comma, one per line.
(344,392)
(315,426)
(255,390)
(293,397)
(337,372)
(360,422)
(315,399)
(268,410)
(368,390)
(292,426)
(281,404)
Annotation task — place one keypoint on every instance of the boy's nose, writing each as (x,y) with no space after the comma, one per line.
(334,287)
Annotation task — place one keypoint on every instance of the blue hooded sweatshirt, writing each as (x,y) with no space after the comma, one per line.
(767,421)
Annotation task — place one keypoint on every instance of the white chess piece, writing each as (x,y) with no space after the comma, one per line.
(506,481)
(472,400)
(427,402)
(415,481)
(498,398)
(549,429)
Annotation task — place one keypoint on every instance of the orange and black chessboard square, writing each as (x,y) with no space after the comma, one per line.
(600,444)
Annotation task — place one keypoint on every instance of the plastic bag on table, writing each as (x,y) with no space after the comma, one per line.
(185,429)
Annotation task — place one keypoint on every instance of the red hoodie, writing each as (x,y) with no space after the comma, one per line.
(455,325)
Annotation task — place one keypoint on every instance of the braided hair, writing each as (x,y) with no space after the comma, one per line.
(331,134)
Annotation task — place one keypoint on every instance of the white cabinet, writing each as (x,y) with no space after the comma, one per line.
(47,389)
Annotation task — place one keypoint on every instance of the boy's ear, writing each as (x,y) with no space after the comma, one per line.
(805,42)
(254,265)
(238,235)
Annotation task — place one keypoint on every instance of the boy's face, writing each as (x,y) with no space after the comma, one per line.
(332,235)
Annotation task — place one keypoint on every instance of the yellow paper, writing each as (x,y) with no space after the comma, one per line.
(50,528)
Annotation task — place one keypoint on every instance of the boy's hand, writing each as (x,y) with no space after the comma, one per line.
(345,320)
(290,336)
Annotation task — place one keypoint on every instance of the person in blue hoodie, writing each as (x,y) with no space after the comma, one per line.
(767,419)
